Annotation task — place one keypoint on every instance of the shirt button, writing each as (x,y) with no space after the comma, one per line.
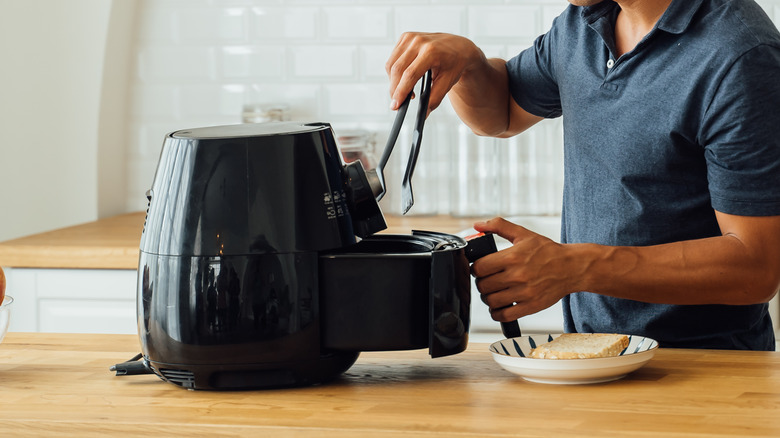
(610,63)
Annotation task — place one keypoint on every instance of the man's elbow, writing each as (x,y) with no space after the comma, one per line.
(765,286)
(496,132)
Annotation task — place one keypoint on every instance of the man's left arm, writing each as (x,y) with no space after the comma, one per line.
(742,266)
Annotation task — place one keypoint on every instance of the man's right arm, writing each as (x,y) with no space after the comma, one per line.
(478,87)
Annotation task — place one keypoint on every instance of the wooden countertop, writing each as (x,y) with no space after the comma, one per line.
(59,384)
(112,243)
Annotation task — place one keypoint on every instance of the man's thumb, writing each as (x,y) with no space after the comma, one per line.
(501,227)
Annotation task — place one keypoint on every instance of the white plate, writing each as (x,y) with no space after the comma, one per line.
(512,354)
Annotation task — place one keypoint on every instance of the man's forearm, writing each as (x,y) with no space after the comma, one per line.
(742,266)
(717,270)
(482,100)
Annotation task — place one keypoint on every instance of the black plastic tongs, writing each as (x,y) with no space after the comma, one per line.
(407,197)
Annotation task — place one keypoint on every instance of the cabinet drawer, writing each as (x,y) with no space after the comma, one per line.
(86,284)
(72,300)
(87,316)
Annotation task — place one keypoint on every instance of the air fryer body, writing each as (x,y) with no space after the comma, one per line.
(243,227)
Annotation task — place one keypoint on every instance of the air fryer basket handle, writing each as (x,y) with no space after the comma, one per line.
(480,245)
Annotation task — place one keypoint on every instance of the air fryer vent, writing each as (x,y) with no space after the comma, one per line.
(178,377)
(148,205)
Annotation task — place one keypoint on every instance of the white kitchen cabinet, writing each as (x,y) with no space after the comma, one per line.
(72,300)
(103,301)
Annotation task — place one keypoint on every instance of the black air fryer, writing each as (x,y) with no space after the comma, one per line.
(259,266)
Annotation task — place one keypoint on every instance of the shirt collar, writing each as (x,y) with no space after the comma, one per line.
(591,14)
(678,15)
(676,19)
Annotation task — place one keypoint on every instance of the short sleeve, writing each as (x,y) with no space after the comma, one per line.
(531,77)
(741,136)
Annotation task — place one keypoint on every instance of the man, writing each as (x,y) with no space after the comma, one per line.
(671,212)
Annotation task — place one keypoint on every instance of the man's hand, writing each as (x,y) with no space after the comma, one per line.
(527,277)
(447,56)
(478,87)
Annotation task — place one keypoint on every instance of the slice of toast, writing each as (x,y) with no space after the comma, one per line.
(581,346)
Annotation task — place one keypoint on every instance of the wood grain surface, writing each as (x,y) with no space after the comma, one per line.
(110,243)
(60,385)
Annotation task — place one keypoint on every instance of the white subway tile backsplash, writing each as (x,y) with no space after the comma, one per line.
(372,62)
(353,100)
(253,62)
(176,3)
(322,3)
(393,3)
(304,100)
(211,100)
(506,23)
(278,23)
(468,2)
(199,61)
(430,19)
(231,100)
(206,25)
(259,2)
(176,63)
(357,23)
(326,61)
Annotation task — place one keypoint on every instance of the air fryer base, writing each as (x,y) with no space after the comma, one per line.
(255,376)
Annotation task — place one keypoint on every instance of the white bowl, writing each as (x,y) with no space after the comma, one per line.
(512,355)
(5,316)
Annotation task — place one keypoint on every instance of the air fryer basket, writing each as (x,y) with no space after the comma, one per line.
(396,292)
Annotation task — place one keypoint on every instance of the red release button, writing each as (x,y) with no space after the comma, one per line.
(474,236)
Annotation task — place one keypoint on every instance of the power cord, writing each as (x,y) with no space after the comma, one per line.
(132,367)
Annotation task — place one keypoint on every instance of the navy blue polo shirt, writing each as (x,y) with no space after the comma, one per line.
(655,141)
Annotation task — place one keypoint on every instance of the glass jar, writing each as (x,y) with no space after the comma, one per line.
(261,113)
(360,145)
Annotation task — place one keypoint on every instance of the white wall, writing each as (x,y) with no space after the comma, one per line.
(113,129)
(52,54)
